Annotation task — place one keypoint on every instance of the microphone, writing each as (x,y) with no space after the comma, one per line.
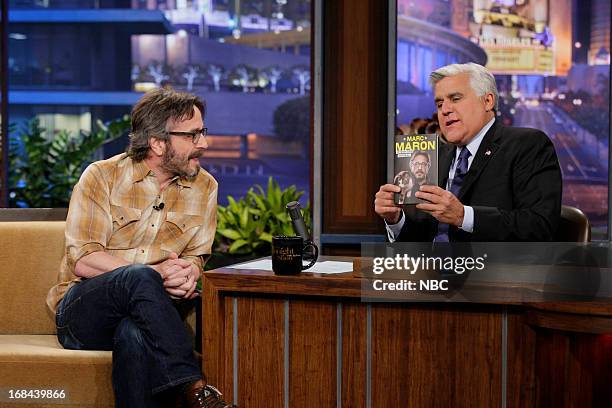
(295,212)
(159,207)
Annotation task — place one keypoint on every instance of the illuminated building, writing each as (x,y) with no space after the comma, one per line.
(599,50)
(423,47)
(523,37)
(463,11)
(70,61)
(560,21)
(216,19)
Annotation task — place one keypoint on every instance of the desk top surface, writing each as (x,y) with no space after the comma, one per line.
(352,285)
(304,283)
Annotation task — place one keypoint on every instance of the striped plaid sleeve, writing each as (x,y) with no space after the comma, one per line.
(89,223)
(199,248)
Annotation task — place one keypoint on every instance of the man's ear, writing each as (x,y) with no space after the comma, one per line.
(489,100)
(158,146)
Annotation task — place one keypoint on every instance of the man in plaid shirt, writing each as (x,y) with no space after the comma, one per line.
(140,227)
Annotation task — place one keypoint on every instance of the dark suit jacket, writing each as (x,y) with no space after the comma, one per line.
(514,186)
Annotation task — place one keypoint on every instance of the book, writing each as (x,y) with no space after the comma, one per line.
(415,163)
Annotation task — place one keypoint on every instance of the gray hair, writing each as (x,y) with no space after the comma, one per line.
(481,80)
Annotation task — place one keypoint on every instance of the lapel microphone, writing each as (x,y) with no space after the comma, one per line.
(159,207)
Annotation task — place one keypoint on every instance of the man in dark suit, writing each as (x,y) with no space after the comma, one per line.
(496,183)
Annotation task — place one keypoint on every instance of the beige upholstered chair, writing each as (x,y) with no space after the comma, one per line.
(30,355)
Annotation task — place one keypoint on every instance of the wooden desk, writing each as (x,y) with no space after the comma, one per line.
(308,341)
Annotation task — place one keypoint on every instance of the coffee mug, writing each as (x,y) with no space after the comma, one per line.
(288,253)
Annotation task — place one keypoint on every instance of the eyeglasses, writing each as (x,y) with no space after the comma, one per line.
(195,136)
(423,165)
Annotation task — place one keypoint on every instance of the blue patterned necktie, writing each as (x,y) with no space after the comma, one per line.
(460,172)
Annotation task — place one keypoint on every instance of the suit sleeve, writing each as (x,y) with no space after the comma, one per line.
(536,195)
(418,226)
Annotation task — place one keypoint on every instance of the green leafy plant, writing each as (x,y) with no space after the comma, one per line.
(246,226)
(44,170)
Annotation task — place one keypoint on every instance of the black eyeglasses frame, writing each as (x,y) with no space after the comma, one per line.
(195,136)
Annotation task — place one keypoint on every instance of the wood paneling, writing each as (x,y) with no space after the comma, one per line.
(305,283)
(600,358)
(581,370)
(521,362)
(354,354)
(354,114)
(570,322)
(573,369)
(228,340)
(213,323)
(585,308)
(261,349)
(312,354)
(422,354)
(431,355)
(392,378)
(551,352)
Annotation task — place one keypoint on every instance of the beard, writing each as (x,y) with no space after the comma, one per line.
(180,165)
(420,177)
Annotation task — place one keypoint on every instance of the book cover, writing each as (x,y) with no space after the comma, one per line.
(415,163)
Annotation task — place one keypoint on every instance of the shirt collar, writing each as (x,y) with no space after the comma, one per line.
(183,182)
(475,142)
(141,170)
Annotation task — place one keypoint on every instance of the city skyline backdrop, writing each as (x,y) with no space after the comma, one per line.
(94,58)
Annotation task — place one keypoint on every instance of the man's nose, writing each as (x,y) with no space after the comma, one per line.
(446,108)
(202,143)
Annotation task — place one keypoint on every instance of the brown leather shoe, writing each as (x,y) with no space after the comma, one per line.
(198,395)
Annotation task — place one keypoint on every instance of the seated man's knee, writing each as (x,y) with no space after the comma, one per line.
(128,335)
(140,273)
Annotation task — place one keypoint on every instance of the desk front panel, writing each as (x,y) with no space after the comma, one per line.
(316,352)
(309,341)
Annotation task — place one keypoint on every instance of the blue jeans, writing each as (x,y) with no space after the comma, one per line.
(128,311)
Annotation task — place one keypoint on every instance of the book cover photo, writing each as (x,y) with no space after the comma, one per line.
(415,164)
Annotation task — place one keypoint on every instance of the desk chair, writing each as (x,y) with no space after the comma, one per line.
(574,226)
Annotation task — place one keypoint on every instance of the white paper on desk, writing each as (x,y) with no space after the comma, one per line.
(260,264)
(323,267)
(330,267)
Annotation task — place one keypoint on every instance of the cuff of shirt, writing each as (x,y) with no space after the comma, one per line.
(468,219)
(74,254)
(393,230)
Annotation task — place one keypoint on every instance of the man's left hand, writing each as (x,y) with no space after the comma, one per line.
(182,283)
(443,205)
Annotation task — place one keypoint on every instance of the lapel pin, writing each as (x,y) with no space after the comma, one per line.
(488,153)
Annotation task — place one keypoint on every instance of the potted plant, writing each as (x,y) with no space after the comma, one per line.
(44,170)
(245,227)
